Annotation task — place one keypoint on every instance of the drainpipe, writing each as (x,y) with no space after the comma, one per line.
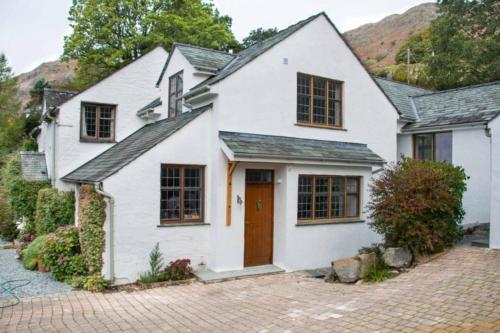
(53,156)
(111,201)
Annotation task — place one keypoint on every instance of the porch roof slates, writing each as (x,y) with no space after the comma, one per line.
(291,148)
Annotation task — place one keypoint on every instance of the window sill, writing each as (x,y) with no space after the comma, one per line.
(172,225)
(328,222)
(321,126)
(96,141)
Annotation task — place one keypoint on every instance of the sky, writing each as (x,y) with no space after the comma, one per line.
(32,31)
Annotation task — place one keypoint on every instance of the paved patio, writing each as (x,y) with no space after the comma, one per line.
(458,292)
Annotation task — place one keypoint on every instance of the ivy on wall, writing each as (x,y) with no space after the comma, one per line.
(91,216)
(54,209)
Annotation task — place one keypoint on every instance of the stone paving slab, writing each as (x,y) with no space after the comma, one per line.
(457,292)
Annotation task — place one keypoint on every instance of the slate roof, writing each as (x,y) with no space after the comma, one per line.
(200,57)
(399,94)
(473,104)
(130,148)
(155,103)
(246,145)
(55,97)
(33,166)
(252,52)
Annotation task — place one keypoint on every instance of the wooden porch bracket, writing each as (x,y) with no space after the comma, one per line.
(231,165)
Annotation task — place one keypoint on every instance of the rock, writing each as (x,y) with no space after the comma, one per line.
(348,270)
(394,271)
(397,257)
(330,277)
(367,261)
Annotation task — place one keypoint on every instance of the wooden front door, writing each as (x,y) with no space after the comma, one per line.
(259,212)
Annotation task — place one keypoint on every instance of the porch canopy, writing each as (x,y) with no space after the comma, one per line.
(269,148)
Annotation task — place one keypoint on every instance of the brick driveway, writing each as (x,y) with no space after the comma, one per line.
(458,292)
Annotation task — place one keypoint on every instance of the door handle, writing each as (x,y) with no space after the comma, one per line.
(259,204)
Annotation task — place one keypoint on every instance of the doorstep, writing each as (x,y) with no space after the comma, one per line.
(209,276)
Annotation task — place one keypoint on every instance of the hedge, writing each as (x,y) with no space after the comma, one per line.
(21,194)
(91,216)
(54,209)
(8,225)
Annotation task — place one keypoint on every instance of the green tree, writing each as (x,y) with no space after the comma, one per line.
(465,39)
(11,120)
(36,94)
(258,35)
(109,34)
(420,48)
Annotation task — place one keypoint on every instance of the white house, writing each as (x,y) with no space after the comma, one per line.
(109,109)
(459,126)
(235,160)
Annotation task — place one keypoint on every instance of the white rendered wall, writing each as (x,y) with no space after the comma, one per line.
(136,191)
(495,185)
(471,150)
(261,97)
(130,89)
(317,245)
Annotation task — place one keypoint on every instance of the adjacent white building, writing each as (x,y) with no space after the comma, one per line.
(237,160)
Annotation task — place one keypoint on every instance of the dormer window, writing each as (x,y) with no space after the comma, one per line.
(319,101)
(98,122)
(175,95)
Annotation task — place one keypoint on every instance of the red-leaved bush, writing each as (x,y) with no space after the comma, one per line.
(179,269)
(418,205)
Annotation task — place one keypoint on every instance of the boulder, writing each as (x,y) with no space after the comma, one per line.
(367,261)
(397,257)
(330,277)
(347,270)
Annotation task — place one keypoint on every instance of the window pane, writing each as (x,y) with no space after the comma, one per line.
(192,204)
(444,145)
(321,198)
(352,197)
(352,205)
(90,114)
(423,146)
(319,101)
(303,98)
(105,121)
(338,196)
(259,176)
(304,209)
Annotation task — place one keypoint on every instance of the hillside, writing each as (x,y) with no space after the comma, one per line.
(377,43)
(56,72)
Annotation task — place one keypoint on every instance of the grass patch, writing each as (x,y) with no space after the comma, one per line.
(378,273)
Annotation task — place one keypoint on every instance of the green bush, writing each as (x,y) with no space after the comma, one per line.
(8,225)
(54,209)
(95,283)
(31,254)
(155,267)
(61,253)
(418,205)
(21,194)
(91,215)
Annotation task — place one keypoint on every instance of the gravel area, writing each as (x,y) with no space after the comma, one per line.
(40,283)
(3,243)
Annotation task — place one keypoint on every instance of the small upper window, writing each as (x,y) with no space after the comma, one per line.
(175,95)
(98,122)
(319,101)
(433,146)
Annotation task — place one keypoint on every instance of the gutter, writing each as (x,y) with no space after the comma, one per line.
(111,255)
(437,128)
